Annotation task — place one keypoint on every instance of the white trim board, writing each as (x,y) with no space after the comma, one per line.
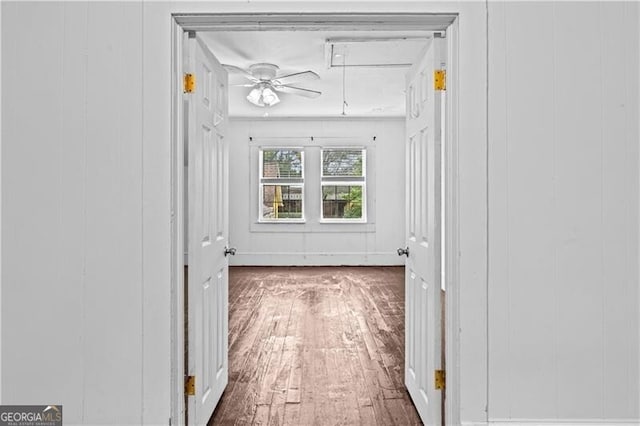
(554,422)
(316,259)
(345,21)
(312,227)
(318,118)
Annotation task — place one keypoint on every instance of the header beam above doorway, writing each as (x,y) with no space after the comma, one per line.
(314,22)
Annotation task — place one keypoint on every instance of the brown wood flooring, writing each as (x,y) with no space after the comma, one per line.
(316,346)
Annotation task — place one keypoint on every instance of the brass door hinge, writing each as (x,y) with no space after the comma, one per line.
(440,80)
(190,385)
(189,83)
(440,379)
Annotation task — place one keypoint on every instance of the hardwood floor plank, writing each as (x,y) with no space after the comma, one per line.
(262,415)
(316,346)
(345,382)
(307,413)
(295,379)
(292,414)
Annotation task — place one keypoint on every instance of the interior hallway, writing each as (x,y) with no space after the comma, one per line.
(316,346)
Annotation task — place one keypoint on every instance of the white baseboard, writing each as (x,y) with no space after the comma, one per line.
(555,422)
(317,259)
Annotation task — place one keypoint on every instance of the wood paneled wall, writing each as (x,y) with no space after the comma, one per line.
(563,211)
(72,208)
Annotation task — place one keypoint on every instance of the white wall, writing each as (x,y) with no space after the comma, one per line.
(72,218)
(563,212)
(313,243)
(86,202)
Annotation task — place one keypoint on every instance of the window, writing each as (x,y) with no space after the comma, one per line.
(281,185)
(343,185)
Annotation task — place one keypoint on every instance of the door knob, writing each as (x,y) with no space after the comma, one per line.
(229,251)
(403,251)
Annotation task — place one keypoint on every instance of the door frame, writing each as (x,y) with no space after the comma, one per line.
(447,22)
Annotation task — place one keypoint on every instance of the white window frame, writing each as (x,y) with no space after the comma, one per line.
(344,181)
(262,181)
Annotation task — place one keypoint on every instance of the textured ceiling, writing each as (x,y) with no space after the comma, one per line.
(368,91)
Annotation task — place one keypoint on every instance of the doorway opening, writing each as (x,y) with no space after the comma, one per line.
(400,23)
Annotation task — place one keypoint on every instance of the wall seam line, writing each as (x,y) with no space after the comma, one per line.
(487,223)
(602,233)
(142,212)
(555,201)
(84,213)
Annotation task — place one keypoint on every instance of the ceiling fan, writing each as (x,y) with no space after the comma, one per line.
(265,84)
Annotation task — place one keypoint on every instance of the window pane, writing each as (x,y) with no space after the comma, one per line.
(281,202)
(281,163)
(341,202)
(342,162)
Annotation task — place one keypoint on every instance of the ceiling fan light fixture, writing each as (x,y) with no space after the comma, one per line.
(269,97)
(263,96)
(255,96)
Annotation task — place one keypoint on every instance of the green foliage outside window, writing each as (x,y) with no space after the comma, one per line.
(353,209)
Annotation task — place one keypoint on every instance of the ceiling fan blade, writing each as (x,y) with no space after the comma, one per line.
(307,93)
(296,77)
(243,72)
(243,85)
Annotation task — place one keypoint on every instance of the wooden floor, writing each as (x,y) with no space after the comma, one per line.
(316,346)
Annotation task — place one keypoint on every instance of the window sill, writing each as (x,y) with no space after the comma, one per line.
(283,222)
(344,221)
(313,227)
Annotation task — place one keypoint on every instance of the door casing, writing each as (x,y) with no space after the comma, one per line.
(448,23)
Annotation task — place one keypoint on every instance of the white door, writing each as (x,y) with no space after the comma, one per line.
(208,232)
(422,282)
